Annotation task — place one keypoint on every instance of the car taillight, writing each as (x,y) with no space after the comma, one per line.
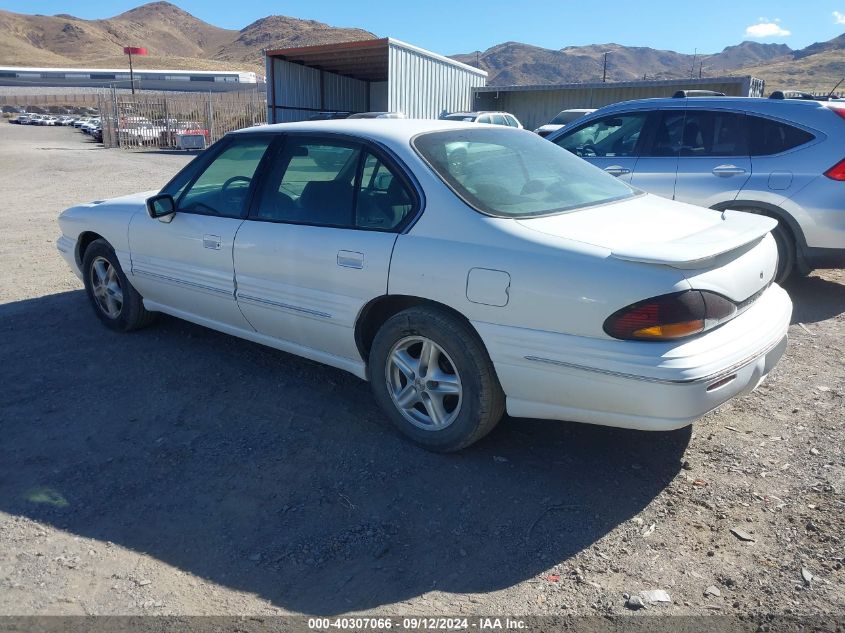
(837,172)
(671,316)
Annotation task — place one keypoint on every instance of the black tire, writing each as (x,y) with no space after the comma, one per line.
(131,315)
(786,246)
(786,252)
(482,402)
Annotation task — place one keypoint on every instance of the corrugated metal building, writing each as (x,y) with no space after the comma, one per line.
(381,75)
(536,105)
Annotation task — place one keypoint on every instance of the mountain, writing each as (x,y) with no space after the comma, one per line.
(516,63)
(836,44)
(278,31)
(174,38)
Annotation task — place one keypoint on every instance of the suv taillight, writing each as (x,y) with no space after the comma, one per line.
(670,317)
(837,172)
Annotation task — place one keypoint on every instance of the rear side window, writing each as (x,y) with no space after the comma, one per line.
(333,183)
(769,137)
(713,133)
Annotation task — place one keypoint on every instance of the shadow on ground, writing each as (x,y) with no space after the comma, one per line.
(815,299)
(274,475)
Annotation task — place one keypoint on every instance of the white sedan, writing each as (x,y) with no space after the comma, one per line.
(463,270)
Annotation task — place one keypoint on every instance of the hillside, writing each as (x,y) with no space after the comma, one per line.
(817,67)
(517,63)
(174,38)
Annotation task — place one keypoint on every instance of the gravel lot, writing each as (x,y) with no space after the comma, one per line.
(181,471)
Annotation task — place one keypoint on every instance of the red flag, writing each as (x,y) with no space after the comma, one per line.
(134,50)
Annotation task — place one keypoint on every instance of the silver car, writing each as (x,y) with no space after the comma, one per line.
(778,157)
(490,118)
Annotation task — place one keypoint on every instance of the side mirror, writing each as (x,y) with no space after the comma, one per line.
(161,206)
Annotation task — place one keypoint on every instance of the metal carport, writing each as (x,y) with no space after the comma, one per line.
(367,75)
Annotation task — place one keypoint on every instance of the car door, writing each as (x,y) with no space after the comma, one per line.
(657,166)
(611,142)
(714,162)
(182,263)
(317,245)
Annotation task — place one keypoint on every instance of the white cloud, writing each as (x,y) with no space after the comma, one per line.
(766,28)
(839,18)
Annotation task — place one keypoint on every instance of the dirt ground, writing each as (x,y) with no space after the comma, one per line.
(180,471)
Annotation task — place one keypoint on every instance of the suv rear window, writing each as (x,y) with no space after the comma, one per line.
(768,137)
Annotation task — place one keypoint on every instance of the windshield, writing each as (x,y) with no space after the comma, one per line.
(567,116)
(468,118)
(509,173)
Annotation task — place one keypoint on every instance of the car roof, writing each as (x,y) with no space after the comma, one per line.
(387,130)
(758,104)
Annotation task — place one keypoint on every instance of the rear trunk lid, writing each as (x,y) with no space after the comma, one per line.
(729,252)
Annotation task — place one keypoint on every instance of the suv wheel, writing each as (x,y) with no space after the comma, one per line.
(786,246)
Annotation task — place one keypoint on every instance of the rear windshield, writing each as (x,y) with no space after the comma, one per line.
(509,173)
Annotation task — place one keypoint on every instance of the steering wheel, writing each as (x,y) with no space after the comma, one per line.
(588,149)
(232,180)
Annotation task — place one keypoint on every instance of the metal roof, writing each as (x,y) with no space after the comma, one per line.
(30,69)
(657,83)
(367,60)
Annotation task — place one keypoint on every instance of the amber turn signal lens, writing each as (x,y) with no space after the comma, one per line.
(671,330)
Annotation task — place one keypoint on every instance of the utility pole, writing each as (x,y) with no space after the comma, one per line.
(604,71)
(130,50)
(700,69)
(692,68)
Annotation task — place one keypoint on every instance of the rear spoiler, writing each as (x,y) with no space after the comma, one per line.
(737,229)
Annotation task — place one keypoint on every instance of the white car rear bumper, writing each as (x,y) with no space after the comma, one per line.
(633,384)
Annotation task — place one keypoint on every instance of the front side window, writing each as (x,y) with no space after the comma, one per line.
(222,188)
(609,136)
(498,119)
(509,174)
(333,183)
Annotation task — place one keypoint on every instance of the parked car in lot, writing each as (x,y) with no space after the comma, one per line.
(378,115)
(89,126)
(490,118)
(562,119)
(519,278)
(781,158)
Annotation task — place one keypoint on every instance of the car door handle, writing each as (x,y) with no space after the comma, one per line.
(350,259)
(211,241)
(727,170)
(617,170)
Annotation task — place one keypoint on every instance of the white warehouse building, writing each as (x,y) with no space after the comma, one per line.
(145,79)
(378,75)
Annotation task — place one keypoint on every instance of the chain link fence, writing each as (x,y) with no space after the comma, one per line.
(177,120)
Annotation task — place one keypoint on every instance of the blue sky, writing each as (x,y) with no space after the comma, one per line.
(453,26)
